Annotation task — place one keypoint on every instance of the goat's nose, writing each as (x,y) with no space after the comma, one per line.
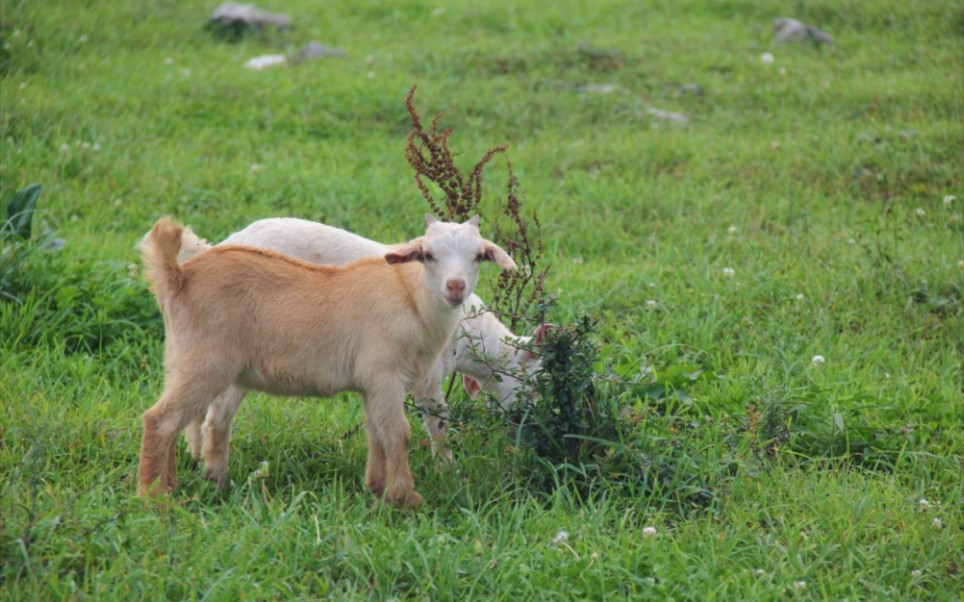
(455,287)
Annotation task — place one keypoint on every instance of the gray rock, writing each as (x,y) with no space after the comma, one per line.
(233,15)
(314,51)
(791,30)
(667,115)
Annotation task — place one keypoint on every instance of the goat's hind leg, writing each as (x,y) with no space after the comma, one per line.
(184,398)
(216,435)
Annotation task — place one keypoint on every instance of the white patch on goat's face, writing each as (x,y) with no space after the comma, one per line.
(452,254)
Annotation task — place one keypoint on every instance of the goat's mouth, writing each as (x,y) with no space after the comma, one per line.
(454,302)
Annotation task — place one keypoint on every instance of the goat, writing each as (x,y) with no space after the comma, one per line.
(239,318)
(485,352)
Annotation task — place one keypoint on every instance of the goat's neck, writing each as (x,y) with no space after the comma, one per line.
(481,347)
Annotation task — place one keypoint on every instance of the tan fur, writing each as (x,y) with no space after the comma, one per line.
(240,318)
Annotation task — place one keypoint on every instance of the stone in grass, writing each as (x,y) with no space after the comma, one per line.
(791,30)
(233,21)
(667,115)
(314,51)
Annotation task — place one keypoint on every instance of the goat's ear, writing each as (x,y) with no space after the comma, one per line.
(430,219)
(474,221)
(541,331)
(403,253)
(494,253)
(472,386)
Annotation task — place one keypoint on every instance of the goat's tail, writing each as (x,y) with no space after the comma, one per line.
(159,251)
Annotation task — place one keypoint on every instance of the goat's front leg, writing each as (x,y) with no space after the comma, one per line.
(388,473)
(431,402)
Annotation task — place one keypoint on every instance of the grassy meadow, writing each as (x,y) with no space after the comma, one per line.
(810,206)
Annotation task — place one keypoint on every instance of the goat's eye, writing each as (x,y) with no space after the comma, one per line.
(480,258)
(428,257)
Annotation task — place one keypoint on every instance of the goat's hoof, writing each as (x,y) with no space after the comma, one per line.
(409,501)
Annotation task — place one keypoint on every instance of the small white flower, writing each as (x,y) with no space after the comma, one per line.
(766,58)
(960,263)
(117,202)
(561,536)
(923,504)
(168,61)
(949,199)
(85,145)
(651,304)
(920,212)
(132,269)
(729,272)
(783,70)
(438,11)
(775,145)
(96,147)
(916,574)
(370,75)
(817,360)
(264,469)
(799,585)
(255,167)
(759,573)
(650,532)
(938,523)
(64,148)
(731,230)
(799,297)
(82,39)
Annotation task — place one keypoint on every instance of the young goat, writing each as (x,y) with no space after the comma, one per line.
(484,351)
(239,318)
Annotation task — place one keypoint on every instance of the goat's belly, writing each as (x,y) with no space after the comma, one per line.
(278,381)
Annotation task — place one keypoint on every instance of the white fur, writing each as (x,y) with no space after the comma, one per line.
(238,318)
(485,350)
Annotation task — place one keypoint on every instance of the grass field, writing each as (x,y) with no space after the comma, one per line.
(807,208)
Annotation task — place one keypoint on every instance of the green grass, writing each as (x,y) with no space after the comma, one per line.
(821,186)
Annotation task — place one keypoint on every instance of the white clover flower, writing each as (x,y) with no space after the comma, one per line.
(920,212)
(782,70)
(96,147)
(64,148)
(82,39)
(651,304)
(938,523)
(949,199)
(799,297)
(85,145)
(650,532)
(168,61)
(731,230)
(759,573)
(729,272)
(561,537)
(817,360)
(916,574)
(799,585)
(766,58)
(923,504)
(132,269)
(255,167)
(264,469)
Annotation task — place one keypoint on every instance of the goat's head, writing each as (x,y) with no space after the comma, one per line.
(452,254)
(518,366)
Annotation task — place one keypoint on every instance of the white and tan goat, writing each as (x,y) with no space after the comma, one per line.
(484,351)
(239,318)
